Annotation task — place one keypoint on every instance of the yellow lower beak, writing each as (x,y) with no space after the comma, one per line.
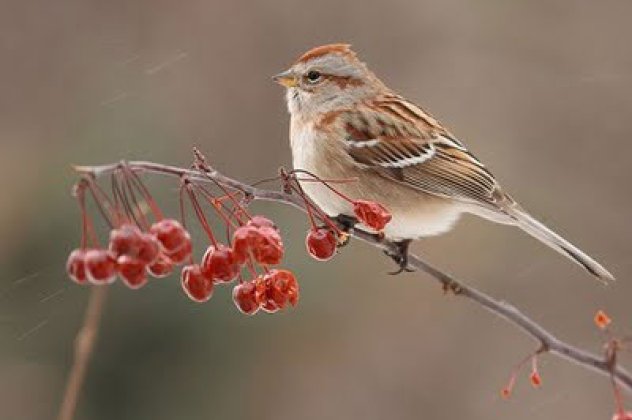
(287,79)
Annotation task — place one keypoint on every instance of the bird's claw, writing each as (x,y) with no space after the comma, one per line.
(400,256)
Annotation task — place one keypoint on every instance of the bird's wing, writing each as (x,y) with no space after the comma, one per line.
(400,141)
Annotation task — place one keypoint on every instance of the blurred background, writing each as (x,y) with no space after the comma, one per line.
(542,92)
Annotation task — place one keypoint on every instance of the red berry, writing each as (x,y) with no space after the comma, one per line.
(171,234)
(100,266)
(622,415)
(269,247)
(281,287)
(321,243)
(132,271)
(246,297)
(76,266)
(263,243)
(219,264)
(372,214)
(149,248)
(242,239)
(162,267)
(261,221)
(126,240)
(182,255)
(195,284)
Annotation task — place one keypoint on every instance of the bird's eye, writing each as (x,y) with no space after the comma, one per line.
(313,76)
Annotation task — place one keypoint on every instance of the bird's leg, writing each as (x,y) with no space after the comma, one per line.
(400,256)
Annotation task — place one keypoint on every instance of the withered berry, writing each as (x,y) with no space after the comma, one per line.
(100,266)
(76,266)
(195,284)
(321,243)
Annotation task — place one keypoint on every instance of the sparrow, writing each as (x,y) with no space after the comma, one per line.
(345,123)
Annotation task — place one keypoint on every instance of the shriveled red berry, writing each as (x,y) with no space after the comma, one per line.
(171,234)
(100,266)
(149,248)
(181,255)
(269,247)
(132,271)
(162,267)
(321,243)
(242,239)
(246,297)
(261,221)
(76,266)
(219,264)
(195,284)
(281,288)
(264,244)
(372,214)
(126,240)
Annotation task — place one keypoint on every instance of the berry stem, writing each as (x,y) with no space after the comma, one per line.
(144,191)
(324,182)
(200,213)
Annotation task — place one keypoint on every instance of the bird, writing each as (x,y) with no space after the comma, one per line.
(346,124)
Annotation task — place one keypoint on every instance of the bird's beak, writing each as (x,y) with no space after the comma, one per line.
(287,79)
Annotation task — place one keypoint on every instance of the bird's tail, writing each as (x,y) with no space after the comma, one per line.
(539,231)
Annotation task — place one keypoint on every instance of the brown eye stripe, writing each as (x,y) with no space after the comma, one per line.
(343,81)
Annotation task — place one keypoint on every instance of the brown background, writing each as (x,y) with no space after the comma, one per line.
(541,91)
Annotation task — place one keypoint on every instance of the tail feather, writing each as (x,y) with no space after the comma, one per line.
(539,231)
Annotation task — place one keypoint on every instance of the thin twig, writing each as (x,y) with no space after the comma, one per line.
(84,345)
(548,341)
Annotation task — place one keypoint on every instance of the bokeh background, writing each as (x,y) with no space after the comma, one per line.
(541,91)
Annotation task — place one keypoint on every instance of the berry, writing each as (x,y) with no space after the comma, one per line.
(171,234)
(149,249)
(195,284)
(622,415)
(268,248)
(246,297)
(181,255)
(263,243)
(126,240)
(219,264)
(132,271)
(100,266)
(162,267)
(372,214)
(281,287)
(242,239)
(602,320)
(535,379)
(321,243)
(76,266)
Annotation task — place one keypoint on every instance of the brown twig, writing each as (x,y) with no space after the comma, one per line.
(84,345)
(548,341)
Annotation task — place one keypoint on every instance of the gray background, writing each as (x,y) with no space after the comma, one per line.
(541,91)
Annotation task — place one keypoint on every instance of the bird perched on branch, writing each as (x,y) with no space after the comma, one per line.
(346,123)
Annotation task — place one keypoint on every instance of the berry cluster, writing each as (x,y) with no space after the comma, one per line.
(132,255)
(143,243)
(138,249)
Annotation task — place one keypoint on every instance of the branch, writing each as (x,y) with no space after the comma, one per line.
(547,340)
(84,345)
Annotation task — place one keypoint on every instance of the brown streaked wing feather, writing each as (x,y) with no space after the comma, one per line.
(400,141)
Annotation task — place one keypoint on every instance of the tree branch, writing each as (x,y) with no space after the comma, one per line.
(84,345)
(547,340)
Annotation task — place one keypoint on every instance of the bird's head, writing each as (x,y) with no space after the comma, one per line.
(326,78)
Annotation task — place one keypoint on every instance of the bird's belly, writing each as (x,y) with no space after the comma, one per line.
(415,213)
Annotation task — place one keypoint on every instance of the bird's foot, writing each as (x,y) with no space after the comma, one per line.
(400,256)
